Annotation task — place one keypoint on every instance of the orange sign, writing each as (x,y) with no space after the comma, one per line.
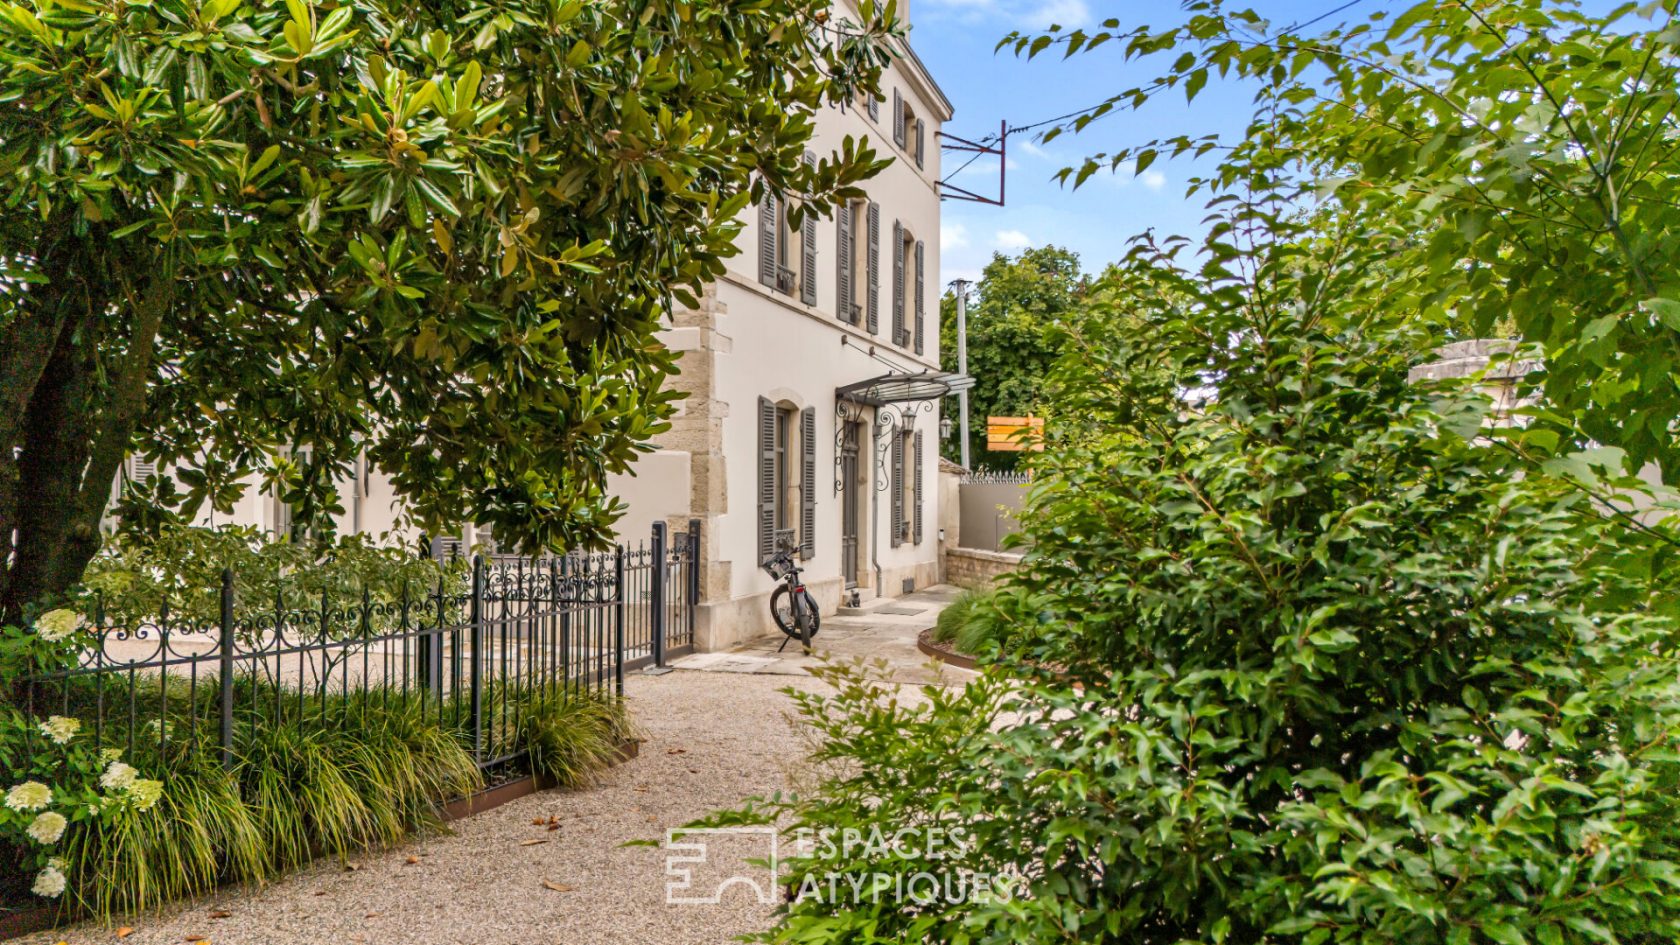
(1014,434)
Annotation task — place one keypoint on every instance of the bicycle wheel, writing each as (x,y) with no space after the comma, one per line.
(781,608)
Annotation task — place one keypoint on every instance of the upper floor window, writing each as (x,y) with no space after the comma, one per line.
(787,254)
(909,278)
(909,131)
(855,272)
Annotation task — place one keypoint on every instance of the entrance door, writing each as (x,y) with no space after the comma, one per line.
(851,502)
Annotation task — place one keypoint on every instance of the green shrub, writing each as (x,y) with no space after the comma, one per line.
(976,621)
(1343,669)
(952,618)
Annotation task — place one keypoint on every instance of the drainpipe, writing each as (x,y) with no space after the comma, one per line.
(875,502)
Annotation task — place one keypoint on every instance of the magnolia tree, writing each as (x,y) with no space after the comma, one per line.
(257,240)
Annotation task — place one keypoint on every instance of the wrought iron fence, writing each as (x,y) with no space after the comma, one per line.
(474,654)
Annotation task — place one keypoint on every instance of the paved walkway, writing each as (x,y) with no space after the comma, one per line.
(887,632)
(504,878)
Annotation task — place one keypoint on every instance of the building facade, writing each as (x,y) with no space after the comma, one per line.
(812,374)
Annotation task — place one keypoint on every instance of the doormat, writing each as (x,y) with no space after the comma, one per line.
(899,611)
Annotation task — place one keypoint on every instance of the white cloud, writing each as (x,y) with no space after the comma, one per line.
(1029,15)
(952,235)
(1046,13)
(1126,174)
(1011,240)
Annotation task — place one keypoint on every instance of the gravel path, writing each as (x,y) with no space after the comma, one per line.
(712,740)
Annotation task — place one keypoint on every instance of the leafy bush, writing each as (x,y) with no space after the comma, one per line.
(1339,672)
(134,577)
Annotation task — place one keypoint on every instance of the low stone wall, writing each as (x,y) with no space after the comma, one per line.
(971,567)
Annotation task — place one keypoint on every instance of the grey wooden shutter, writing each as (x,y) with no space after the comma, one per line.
(916,477)
(767,240)
(874,269)
(843,272)
(874,108)
(808,482)
(808,243)
(897,530)
(920,140)
(920,280)
(898,118)
(898,283)
(766,479)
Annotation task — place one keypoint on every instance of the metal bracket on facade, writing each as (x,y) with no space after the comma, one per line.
(891,419)
(845,412)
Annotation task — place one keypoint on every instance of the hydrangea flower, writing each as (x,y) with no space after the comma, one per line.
(60,729)
(28,796)
(55,625)
(117,777)
(49,883)
(47,828)
(145,793)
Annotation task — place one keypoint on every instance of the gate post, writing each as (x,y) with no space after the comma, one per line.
(227,668)
(660,572)
(476,667)
(618,618)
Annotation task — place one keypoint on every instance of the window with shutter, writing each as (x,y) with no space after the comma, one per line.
(921,153)
(916,479)
(843,250)
(897,528)
(898,283)
(898,118)
(873,273)
(808,482)
(874,107)
(766,479)
(768,227)
(808,248)
(920,280)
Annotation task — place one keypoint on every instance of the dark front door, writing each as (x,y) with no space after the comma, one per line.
(851,502)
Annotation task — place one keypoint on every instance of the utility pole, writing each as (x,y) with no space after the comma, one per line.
(961,286)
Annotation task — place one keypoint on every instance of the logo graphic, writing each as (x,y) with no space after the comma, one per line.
(703,862)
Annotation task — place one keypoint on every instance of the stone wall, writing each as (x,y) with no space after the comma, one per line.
(971,567)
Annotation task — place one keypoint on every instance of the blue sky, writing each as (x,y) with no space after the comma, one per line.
(955,39)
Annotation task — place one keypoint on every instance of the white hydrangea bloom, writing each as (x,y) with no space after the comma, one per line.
(47,828)
(55,625)
(28,796)
(60,729)
(58,863)
(109,755)
(49,883)
(145,793)
(117,777)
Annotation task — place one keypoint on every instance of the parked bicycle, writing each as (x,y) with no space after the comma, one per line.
(792,606)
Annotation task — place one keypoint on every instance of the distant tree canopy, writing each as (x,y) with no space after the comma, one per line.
(1511,163)
(1009,352)
(257,239)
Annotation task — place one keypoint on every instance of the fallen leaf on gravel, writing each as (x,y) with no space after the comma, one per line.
(694,771)
(531,843)
(320,892)
(198,938)
(540,821)
(123,932)
(676,751)
(371,915)
(352,867)
(558,887)
(554,826)
(220,914)
(413,860)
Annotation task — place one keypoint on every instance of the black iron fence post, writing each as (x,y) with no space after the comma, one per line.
(618,618)
(227,668)
(475,630)
(658,590)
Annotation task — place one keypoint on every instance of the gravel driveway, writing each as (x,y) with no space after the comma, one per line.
(712,740)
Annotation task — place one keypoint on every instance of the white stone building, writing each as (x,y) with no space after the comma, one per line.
(812,369)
